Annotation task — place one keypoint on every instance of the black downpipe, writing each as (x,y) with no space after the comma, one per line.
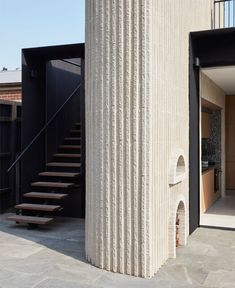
(194,142)
(83,137)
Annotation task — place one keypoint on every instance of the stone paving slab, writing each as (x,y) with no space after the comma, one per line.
(54,256)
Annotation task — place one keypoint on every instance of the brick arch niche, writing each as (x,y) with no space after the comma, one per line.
(177,228)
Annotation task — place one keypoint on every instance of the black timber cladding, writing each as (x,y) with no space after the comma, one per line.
(10,126)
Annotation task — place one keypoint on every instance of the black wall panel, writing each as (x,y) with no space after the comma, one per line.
(61,80)
(47,81)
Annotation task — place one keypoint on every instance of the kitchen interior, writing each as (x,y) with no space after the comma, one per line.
(217,193)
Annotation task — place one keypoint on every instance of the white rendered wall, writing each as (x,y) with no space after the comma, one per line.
(136,118)
(172,22)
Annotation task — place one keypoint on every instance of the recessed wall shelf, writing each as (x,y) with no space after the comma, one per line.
(177,167)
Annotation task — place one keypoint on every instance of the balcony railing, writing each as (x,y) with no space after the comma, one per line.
(224,14)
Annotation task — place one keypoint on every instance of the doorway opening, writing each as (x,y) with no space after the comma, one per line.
(212,86)
(217,130)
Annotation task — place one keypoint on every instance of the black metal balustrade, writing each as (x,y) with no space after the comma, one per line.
(223,14)
(16,163)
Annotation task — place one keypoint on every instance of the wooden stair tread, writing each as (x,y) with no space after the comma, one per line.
(59,174)
(38,207)
(75,130)
(72,138)
(70,146)
(30,219)
(52,184)
(67,155)
(42,195)
(74,156)
(61,164)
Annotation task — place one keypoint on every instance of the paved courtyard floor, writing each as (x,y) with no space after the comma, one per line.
(53,257)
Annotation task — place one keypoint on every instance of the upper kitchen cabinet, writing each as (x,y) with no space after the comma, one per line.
(206,125)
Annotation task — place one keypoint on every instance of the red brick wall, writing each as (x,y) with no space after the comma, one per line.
(10,94)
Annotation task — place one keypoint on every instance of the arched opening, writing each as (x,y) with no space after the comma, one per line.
(180,239)
(180,168)
(177,169)
(177,228)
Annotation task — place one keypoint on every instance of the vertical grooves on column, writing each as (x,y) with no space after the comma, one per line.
(152,133)
(120,153)
(113,169)
(167,136)
(118,125)
(162,136)
(100,218)
(162,142)
(149,191)
(156,138)
(141,143)
(127,129)
(106,149)
(134,135)
(142,136)
(96,197)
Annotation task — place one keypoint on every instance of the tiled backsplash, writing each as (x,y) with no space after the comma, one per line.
(211,148)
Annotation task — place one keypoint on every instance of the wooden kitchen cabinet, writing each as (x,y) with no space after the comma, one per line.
(208,193)
(230,142)
(206,125)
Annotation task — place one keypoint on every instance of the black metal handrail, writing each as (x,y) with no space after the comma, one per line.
(43,128)
(224,14)
(70,62)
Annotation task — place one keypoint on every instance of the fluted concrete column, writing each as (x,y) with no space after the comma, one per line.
(118,226)
(137,127)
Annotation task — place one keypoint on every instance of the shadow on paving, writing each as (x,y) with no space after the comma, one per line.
(208,260)
(65,235)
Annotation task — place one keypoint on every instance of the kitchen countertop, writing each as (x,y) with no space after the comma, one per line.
(210,167)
